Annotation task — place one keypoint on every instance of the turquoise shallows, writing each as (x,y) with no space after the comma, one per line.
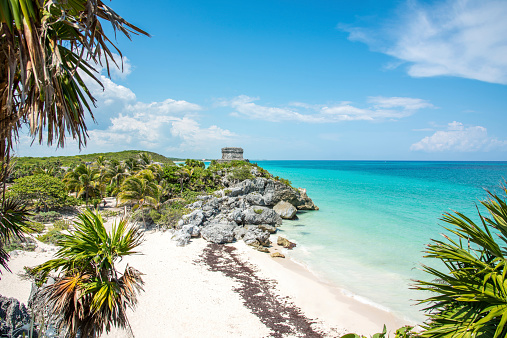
(375,218)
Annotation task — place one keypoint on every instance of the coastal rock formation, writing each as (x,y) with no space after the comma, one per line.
(14,318)
(285,210)
(250,210)
(285,243)
(277,254)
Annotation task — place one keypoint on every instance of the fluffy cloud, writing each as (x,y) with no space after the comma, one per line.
(464,38)
(380,108)
(459,138)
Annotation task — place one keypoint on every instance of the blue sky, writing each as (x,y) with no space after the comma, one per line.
(343,80)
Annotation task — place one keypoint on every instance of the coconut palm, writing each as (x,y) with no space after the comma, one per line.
(115,172)
(85,181)
(89,293)
(47,49)
(141,189)
(470,299)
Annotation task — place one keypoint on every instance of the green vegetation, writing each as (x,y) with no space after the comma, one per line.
(258,211)
(73,161)
(35,227)
(62,224)
(41,191)
(46,217)
(86,274)
(24,244)
(402,332)
(53,236)
(469,300)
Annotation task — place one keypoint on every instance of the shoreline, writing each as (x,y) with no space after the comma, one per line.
(185,296)
(337,307)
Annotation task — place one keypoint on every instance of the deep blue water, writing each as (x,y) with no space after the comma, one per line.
(375,218)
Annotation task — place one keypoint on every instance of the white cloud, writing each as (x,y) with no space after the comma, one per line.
(463,38)
(381,108)
(460,138)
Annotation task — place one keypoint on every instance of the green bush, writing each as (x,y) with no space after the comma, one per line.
(241,174)
(258,211)
(41,190)
(53,236)
(109,213)
(25,244)
(61,224)
(46,217)
(35,227)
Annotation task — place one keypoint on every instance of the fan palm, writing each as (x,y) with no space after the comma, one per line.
(140,189)
(47,48)
(469,300)
(89,293)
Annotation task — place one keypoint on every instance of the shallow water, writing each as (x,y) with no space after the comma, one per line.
(375,219)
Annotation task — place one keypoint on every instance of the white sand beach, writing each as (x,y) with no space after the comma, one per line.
(184,298)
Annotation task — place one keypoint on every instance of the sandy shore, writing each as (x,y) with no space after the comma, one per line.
(205,290)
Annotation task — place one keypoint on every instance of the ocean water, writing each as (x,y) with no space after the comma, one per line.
(375,219)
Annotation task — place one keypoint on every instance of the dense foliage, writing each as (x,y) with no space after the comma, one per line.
(42,191)
(470,299)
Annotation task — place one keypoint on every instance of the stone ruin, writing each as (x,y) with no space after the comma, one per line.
(231,154)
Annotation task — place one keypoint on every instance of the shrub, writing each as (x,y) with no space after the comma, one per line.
(46,217)
(53,237)
(258,211)
(241,174)
(109,213)
(35,227)
(40,190)
(61,224)
(25,244)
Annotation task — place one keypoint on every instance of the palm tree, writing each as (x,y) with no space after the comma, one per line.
(46,49)
(470,299)
(84,181)
(89,293)
(140,189)
(144,160)
(115,172)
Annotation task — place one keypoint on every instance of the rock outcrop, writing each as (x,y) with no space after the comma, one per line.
(250,210)
(14,318)
(285,210)
(285,243)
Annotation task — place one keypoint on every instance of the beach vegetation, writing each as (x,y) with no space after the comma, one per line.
(85,181)
(258,211)
(469,297)
(62,224)
(35,227)
(23,244)
(53,236)
(141,191)
(46,217)
(14,223)
(41,191)
(89,294)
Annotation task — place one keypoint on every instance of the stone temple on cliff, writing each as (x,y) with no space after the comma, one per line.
(232,154)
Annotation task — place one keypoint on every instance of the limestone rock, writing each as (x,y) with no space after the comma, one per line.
(256,236)
(13,316)
(255,198)
(219,232)
(266,227)
(277,254)
(261,215)
(285,243)
(181,237)
(285,210)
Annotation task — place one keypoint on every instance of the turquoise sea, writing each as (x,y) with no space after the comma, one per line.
(375,218)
